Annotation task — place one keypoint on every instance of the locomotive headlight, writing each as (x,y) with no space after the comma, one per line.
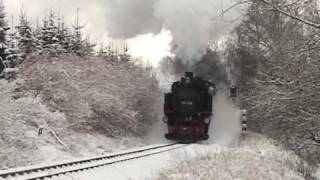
(207,120)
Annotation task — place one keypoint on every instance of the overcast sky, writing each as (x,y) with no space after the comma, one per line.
(93,15)
(90,12)
(141,22)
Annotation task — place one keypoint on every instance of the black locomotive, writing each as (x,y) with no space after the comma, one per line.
(188,109)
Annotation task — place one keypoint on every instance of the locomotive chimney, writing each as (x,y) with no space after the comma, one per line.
(189,74)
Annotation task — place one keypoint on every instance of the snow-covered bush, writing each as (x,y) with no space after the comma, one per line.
(255,158)
(21,144)
(96,96)
(19,124)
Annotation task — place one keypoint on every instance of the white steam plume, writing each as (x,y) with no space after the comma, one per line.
(194,24)
(129,18)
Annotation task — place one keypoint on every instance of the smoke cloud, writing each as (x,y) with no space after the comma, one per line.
(193,24)
(129,18)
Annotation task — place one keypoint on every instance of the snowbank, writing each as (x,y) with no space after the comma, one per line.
(254,157)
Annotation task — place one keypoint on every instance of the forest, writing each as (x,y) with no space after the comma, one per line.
(274,56)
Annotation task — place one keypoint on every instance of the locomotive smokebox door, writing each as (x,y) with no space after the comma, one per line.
(233,91)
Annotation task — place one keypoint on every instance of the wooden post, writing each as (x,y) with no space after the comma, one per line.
(243,134)
(244,121)
(40,131)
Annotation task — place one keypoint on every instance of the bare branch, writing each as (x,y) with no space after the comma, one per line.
(224,11)
(290,15)
(274,7)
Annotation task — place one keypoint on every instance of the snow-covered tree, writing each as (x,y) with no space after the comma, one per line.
(80,46)
(125,56)
(276,60)
(13,57)
(110,52)
(102,53)
(77,39)
(25,36)
(3,32)
(64,36)
(38,37)
(50,36)
(88,47)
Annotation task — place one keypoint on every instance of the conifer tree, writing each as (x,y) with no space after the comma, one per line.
(13,52)
(88,47)
(77,40)
(125,56)
(25,35)
(3,33)
(110,52)
(49,36)
(64,36)
(38,38)
(102,53)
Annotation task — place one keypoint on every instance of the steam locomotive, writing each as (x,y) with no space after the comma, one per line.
(188,109)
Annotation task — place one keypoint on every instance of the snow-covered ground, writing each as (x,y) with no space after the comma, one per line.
(254,157)
(227,155)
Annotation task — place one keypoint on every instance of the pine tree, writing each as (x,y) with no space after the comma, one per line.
(111,53)
(14,56)
(25,36)
(77,40)
(38,38)
(102,53)
(3,33)
(80,46)
(50,37)
(125,56)
(88,47)
(64,36)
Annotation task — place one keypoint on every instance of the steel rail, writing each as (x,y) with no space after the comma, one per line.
(49,171)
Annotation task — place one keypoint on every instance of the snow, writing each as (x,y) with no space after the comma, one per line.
(94,94)
(204,161)
(227,155)
(19,124)
(245,161)
(317,174)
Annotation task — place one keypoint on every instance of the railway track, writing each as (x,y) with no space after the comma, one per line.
(55,170)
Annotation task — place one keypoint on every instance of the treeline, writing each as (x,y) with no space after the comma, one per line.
(50,36)
(275,60)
